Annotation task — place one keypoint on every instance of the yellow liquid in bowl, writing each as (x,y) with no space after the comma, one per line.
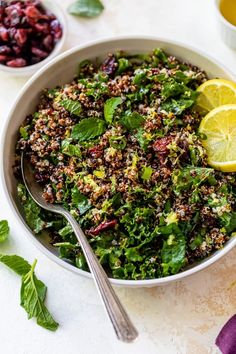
(228,10)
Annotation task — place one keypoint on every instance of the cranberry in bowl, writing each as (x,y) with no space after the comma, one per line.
(32,32)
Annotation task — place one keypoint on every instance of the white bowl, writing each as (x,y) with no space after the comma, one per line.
(61,70)
(31,69)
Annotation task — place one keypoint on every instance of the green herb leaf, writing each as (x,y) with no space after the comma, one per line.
(159,54)
(24,133)
(189,177)
(32,211)
(33,293)
(177,106)
(74,107)
(110,107)
(172,88)
(18,264)
(173,254)
(147,173)
(88,129)
(4,230)
(118,142)
(70,149)
(86,8)
(80,201)
(132,120)
(123,64)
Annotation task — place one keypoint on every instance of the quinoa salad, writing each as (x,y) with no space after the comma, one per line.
(119,148)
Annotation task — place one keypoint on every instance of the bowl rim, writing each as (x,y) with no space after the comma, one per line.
(119,282)
(31,69)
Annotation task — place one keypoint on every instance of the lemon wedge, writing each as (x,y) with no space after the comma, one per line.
(219,129)
(215,93)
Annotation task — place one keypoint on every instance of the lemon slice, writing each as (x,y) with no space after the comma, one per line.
(219,128)
(215,93)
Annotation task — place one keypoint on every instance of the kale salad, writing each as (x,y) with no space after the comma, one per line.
(119,148)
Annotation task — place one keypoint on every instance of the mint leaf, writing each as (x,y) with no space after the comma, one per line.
(110,107)
(33,293)
(88,129)
(18,264)
(4,230)
(123,65)
(177,106)
(86,8)
(74,107)
(80,201)
(70,149)
(132,120)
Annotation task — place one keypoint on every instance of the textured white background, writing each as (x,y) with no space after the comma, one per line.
(183,318)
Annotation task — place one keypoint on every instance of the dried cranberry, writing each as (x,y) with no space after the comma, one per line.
(39,53)
(17,49)
(21,36)
(33,13)
(161,147)
(103,227)
(12,32)
(4,34)
(42,27)
(3,4)
(95,151)
(56,29)
(14,14)
(17,63)
(4,49)
(109,66)
(48,42)
(3,58)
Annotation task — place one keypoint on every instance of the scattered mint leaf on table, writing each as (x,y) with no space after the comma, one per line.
(33,291)
(18,264)
(4,230)
(86,8)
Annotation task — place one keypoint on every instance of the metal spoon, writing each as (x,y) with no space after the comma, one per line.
(122,325)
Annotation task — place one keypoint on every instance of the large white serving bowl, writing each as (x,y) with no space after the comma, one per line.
(61,70)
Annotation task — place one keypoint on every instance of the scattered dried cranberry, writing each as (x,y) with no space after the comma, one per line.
(28,32)
(103,227)
(109,66)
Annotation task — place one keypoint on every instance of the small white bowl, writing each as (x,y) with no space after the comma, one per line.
(226,29)
(31,69)
(62,70)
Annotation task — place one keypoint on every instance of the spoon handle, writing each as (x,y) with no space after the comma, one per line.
(123,326)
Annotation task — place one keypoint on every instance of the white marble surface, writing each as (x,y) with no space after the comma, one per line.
(182,318)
